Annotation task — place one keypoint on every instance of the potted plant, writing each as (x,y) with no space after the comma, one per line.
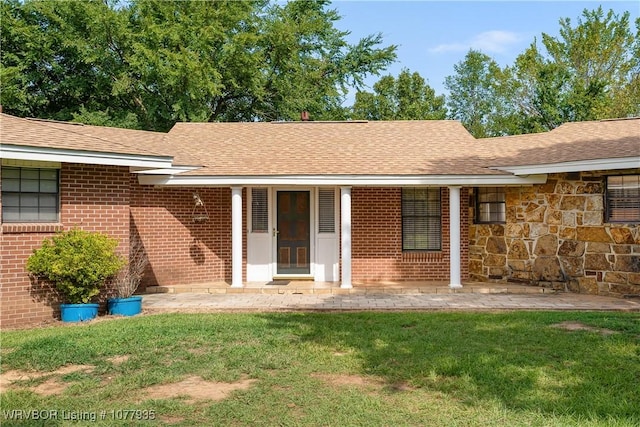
(76,264)
(125,303)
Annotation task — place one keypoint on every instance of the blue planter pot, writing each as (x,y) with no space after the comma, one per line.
(78,312)
(125,306)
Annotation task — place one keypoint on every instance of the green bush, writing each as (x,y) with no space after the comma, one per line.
(77,263)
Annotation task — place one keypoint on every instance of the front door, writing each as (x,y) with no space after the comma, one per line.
(294,234)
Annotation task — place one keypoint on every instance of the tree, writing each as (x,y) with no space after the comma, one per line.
(168,61)
(408,97)
(479,95)
(591,71)
(44,70)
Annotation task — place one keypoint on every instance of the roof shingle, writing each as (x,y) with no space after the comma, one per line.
(570,142)
(329,148)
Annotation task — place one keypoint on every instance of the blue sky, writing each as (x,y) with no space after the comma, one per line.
(432,36)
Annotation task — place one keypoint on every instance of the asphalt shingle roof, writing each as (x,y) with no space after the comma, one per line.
(329,148)
(75,136)
(385,148)
(570,142)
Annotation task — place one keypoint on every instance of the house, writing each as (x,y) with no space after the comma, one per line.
(348,202)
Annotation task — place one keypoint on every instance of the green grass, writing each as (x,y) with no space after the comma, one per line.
(339,369)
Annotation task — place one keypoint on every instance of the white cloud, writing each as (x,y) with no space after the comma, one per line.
(488,42)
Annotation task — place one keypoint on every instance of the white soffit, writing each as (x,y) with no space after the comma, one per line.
(372,180)
(174,170)
(577,166)
(21,152)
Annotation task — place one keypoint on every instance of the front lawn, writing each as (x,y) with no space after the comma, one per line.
(332,369)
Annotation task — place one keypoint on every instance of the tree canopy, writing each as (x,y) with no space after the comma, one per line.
(150,63)
(480,95)
(408,97)
(590,71)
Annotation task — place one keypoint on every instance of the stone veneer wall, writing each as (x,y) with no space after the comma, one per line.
(555,236)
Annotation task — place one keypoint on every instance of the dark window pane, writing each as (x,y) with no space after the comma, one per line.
(48,201)
(48,186)
(30,174)
(10,199)
(421,219)
(29,195)
(8,172)
(10,184)
(30,185)
(623,198)
(490,205)
(28,200)
(49,174)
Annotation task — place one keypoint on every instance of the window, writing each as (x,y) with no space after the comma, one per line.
(327,210)
(30,195)
(421,219)
(490,205)
(623,198)
(259,211)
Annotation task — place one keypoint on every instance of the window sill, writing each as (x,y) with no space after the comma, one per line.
(31,227)
(489,223)
(422,256)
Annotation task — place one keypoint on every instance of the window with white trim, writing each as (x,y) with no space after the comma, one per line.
(421,219)
(490,205)
(623,198)
(30,194)
(259,210)
(326,210)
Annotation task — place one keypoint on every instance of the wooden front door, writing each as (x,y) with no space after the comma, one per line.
(294,234)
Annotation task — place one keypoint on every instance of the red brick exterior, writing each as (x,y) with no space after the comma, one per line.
(181,249)
(94,198)
(377,239)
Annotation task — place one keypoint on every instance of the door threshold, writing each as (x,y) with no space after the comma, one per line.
(293,277)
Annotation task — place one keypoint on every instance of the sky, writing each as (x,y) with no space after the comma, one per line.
(433,36)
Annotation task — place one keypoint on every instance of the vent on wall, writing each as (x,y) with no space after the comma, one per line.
(326,210)
(259,210)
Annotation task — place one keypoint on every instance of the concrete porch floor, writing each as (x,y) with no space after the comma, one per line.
(333,288)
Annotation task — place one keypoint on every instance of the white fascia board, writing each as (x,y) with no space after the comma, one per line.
(577,166)
(22,152)
(174,170)
(334,180)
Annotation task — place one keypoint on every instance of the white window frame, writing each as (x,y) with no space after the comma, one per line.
(622,199)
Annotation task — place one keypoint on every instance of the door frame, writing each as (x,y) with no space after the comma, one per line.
(312,234)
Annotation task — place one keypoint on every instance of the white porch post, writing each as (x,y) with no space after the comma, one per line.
(236,237)
(454,237)
(345,239)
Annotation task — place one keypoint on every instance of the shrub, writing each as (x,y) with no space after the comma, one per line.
(77,263)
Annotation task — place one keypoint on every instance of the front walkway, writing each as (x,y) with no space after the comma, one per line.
(319,288)
(192,302)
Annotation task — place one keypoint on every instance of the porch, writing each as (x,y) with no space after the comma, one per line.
(308,287)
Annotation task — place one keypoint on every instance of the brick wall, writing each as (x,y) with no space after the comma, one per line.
(377,239)
(183,247)
(94,198)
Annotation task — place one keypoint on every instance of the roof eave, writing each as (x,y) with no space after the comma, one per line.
(574,166)
(345,180)
(173,170)
(23,152)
